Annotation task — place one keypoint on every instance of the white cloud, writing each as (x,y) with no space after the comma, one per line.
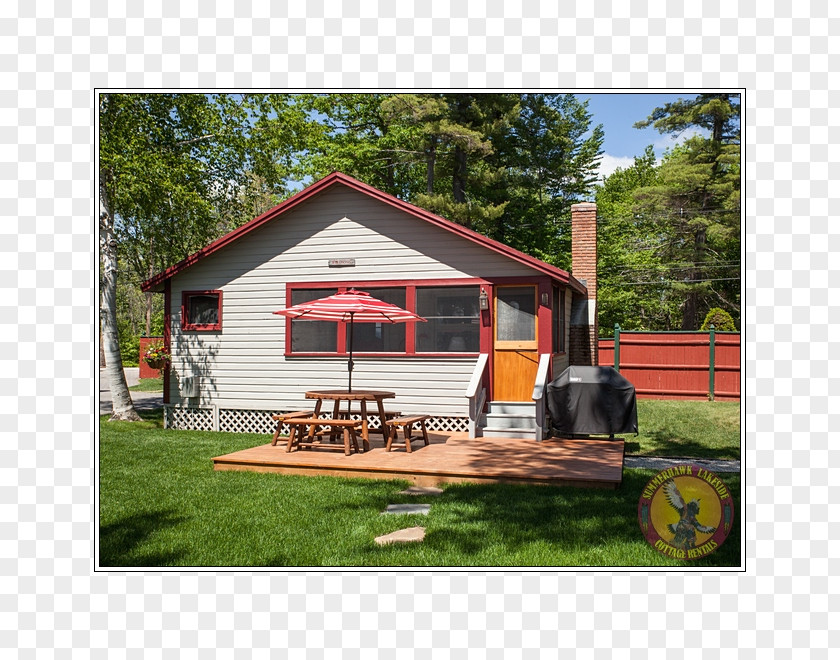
(668,141)
(610,164)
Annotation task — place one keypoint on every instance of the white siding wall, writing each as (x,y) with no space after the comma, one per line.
(243,366)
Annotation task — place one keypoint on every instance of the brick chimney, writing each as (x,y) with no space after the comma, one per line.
(583,330)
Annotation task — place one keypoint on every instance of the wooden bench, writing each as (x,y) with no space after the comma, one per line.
(282,418)
(347,427)
(389,414)
(405,423)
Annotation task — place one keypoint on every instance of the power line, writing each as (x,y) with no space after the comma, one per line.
(672,282)
(700,266)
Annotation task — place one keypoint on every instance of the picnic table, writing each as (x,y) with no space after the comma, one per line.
(363,397)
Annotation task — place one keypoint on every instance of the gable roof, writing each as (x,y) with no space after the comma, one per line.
(156,282)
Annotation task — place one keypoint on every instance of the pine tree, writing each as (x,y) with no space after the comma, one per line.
(699,197)
(634,288)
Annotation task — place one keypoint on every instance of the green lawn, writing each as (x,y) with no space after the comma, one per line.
(698,429)
(148,385)
(161,504)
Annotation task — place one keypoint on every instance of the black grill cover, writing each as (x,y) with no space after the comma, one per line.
(589,400)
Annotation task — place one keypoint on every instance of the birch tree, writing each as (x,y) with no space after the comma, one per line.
(177,171)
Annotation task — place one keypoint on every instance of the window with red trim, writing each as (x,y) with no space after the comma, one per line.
(451,311)
(313,336)
(453,323)
(201,311)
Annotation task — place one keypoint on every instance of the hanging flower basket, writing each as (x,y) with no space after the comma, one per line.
(157,357)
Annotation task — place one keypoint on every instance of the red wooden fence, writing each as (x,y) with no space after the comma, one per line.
(676,365)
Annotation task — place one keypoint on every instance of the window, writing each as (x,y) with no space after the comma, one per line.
(558,321)
(380,337)
(452,314)
(201,311)
(453,321)
(313,336)
(516,316)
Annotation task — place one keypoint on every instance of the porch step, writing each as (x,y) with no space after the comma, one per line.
(511,407)
(497,432)
(510,419)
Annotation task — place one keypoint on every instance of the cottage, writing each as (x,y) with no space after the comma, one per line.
(498,322)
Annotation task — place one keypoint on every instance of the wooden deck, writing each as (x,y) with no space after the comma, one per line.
(451,458)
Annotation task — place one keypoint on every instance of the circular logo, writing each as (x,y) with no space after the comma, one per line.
(686,512)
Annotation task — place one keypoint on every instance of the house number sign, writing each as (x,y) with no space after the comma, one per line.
(341,262)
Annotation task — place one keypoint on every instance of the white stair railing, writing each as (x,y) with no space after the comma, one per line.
(539,393)
(477,394)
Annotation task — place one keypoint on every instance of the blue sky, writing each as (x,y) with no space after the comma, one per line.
(617,113)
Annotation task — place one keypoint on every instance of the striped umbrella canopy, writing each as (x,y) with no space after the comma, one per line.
(353,306)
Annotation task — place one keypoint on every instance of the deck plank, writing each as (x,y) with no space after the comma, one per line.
(452,458)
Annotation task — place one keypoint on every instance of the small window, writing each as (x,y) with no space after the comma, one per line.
(516,317)
(201,311)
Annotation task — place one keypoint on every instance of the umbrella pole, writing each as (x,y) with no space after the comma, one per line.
(350,361)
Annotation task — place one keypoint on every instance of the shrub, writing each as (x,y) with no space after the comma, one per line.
(722,320)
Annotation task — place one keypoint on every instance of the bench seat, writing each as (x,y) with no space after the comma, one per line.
(406,423)
(282,418)
(347,427)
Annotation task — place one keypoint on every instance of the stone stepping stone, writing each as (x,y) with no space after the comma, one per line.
(421,490)
(422,509)
(408,535)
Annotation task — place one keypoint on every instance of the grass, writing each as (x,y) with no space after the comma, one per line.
(148,385)
(161,504)
(697,429)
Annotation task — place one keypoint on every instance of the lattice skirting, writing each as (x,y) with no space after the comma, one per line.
(211,418)
(190,419)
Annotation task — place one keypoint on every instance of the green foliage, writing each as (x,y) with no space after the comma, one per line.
(129,344)
(550,158)
(176,171)
(721,319)
(179,170)
(506,165)
(698,197)
(669,233)
(633,282)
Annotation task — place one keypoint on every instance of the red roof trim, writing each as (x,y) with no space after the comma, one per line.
(338,177)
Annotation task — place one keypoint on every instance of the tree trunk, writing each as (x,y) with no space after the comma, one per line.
(123,407)
(102,362)
(430,166)
(149,294)
(689,320)
(459,176)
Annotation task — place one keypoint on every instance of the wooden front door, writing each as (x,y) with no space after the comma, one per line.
(515,356)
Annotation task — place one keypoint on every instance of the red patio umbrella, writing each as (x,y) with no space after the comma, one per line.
(354,306)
